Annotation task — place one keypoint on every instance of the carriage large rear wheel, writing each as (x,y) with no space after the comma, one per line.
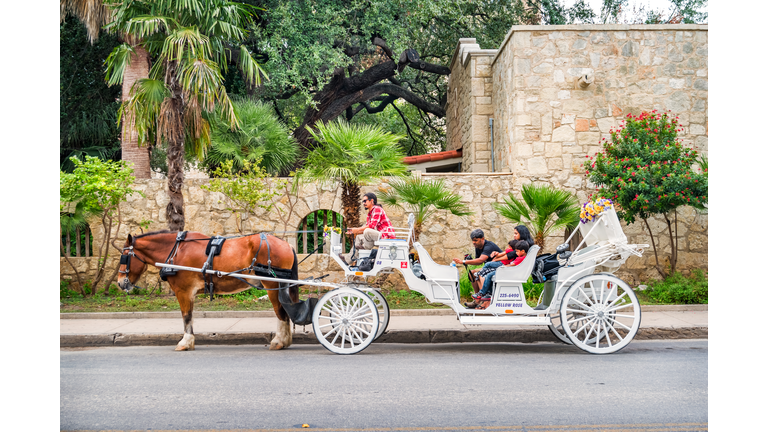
(345,320)
(556,327)
(600,313)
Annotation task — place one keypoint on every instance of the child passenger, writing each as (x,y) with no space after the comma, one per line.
(521,250)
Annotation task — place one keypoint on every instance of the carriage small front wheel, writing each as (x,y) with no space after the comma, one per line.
(345,320)
(383,307)
(600,313)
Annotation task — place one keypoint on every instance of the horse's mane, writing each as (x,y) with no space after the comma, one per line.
(152,233)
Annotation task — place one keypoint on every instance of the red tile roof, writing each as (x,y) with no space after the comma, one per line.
(432,157)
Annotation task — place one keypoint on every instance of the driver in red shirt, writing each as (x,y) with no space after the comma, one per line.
(377,225)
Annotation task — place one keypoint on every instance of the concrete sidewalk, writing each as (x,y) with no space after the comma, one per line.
(405,326)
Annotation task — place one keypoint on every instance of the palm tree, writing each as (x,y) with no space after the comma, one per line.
(423,198)
(189,43)
(261,137)
(543,210)
(94,14)
(352,155)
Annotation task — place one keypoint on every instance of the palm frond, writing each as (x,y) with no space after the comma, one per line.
(352,154)
(423,198)
(143,107)
(186,42)
(260,136)
(117,62)
(141,27)
(250,68)
(542,208)
(92,13)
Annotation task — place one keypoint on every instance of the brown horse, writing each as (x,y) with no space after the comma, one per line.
(236,254)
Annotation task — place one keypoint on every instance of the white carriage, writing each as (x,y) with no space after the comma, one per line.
(597,312)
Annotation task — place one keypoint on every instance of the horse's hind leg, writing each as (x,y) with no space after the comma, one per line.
(283,336)
(186,304)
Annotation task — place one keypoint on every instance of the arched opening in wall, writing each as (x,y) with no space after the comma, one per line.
(311,231)
(76,239)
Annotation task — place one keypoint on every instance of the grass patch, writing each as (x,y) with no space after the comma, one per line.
(677,289)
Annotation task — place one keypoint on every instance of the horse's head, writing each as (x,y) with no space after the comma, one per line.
(131,266)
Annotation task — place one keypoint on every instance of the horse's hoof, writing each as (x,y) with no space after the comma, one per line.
(185,348)
(275,346)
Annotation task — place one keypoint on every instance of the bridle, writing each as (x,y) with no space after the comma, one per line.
(125,259)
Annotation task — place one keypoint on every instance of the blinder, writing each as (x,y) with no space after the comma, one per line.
(125,259)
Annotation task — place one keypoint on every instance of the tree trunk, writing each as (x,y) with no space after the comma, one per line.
(416,231)
(131,152)
(350,204)
(330,92)
(174,135)
(659,267)
(575,240)
(343,92)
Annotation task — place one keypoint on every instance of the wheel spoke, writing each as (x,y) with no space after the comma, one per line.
(620,323)
(608,335)
(602,291)
(580,312)
(617,334)
(617,299)
(362,329)
(358,316)
(623,306)
(582,327)
(335,337)
(585,295)
(359,338)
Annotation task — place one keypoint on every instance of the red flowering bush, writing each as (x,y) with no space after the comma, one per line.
(645,170)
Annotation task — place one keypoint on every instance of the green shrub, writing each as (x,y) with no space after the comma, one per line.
(679,289)
(532,291)
(65,291)
(250,294)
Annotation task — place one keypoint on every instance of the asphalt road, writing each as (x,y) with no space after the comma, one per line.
(650,385)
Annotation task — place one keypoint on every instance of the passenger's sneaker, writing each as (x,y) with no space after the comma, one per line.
(470,305)
(476,296)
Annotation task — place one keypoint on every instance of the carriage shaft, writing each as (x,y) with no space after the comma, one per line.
(220,273)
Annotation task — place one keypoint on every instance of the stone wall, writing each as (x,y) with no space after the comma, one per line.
(469,105)
(551,123)
(445,236)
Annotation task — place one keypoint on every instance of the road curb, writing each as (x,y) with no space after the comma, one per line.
(270,313)
(394,336)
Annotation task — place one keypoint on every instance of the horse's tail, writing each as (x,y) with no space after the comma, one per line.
(295,266)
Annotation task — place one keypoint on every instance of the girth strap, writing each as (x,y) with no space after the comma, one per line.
(165,272)
(213,249)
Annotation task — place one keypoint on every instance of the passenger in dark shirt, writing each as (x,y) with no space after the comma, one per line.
(484,250)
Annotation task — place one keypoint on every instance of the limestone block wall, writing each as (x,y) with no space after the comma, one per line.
(445,236)
(469,94)
(551,123)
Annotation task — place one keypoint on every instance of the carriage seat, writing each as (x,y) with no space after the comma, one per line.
(520,272)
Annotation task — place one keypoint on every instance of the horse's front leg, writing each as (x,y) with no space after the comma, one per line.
(186,300)
(283,336)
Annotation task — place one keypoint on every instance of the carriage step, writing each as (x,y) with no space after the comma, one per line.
(504,320)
